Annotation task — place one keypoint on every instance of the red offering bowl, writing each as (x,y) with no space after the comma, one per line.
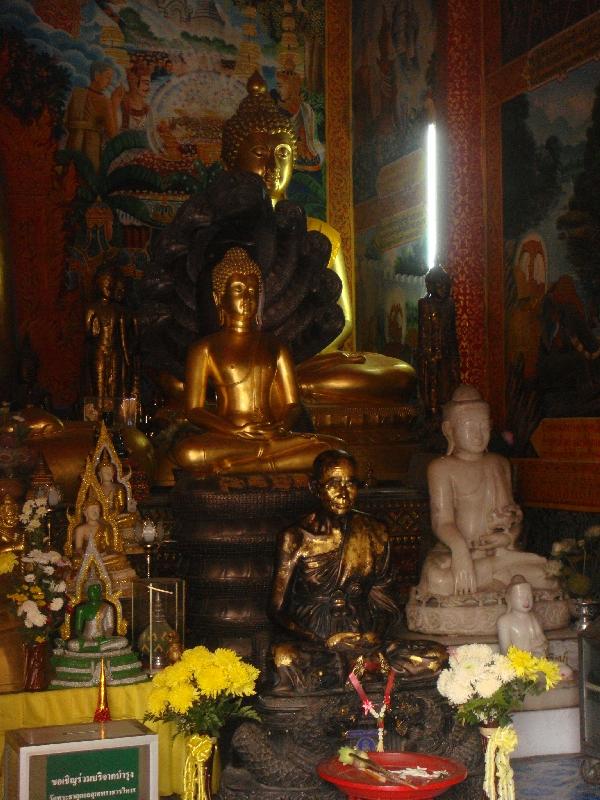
(359,785)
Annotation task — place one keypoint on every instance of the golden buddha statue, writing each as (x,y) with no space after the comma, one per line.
(253,377)
(260,139)
(116,494)
(11,533)
(94,530)
(307,302)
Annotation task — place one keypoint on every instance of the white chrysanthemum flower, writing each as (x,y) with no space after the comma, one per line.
(56,604)
(503,668)
(54,557)
(487,684)
(59,588)
(49,570)
(29,578)
(481,653)
(33,616)
(459,691)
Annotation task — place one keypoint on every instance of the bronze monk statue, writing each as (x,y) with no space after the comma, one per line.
(307,296)
(253,377)
(333,588)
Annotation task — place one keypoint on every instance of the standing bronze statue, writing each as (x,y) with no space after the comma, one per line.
(439,364)
(106,334)
(253,378)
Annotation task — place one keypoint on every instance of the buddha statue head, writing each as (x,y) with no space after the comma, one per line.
(438,283)
(466,422)
(237,286)
(259,138)
(106,468)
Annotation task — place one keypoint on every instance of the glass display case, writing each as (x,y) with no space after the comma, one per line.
(157,617)
(589,701)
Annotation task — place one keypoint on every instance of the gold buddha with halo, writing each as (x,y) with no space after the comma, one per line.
(253,378)
(259,138)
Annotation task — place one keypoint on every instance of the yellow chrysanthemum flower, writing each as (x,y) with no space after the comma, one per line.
(179,672)
(157,701)
(212,680)
(181,697)
(524,663)
(242,678)
(8,562)
(550,671)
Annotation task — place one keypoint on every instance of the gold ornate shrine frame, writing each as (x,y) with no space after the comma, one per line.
(503,82)
(338,133)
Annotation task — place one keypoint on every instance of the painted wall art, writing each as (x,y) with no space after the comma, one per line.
(112,113)
(393,85)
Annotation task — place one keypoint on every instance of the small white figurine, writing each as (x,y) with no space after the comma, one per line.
(519,626)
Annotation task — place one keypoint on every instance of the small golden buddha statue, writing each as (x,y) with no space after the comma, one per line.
(94,529)
(11,533)
(259,138)
(116,496)
(253,377)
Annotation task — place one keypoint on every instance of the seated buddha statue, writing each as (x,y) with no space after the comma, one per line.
(478,524)
(94,625)
(307,301)
(116,496)
(94,533)
(256,394)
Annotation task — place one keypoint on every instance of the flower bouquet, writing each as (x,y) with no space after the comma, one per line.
(39,594)
(39,591)
(200,693)
(486,688)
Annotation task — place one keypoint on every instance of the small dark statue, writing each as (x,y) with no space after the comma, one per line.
(439,365)
(332,598)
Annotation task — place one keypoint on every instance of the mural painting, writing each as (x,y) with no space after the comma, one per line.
(137,93)
(393,57)
(551,185)
(527,23)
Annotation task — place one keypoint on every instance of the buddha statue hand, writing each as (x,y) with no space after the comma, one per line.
(350,641)
(463,571)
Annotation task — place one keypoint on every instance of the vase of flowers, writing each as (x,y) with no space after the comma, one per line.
(486,688)
(578,564)
(39,596)
(199,694)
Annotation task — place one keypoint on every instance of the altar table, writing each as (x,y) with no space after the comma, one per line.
(67,706)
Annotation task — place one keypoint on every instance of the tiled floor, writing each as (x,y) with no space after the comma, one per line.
(552,778)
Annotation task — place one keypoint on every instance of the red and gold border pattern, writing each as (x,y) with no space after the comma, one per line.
(461,78)
(338,136)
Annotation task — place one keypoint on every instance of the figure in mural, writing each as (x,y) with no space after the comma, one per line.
(92,116)
(107,344)
(253,377)
(524,322)
(310,151)
(569,354)
(439,364)
(134,106)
